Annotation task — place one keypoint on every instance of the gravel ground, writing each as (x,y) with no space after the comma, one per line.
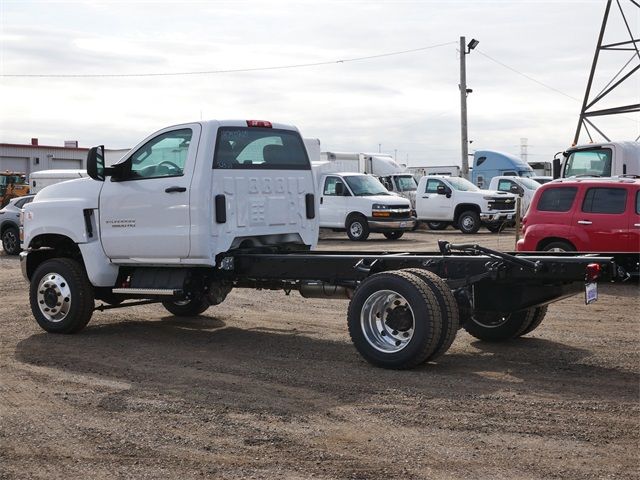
(270,387)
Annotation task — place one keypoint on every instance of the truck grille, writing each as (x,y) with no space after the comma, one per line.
(508,203)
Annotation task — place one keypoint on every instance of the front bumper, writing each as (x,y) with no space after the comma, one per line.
(498,217)
(23,265)
(377,224)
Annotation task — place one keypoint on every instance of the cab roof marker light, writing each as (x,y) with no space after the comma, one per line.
(259,123)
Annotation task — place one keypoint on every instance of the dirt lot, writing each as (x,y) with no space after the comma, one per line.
(265,386)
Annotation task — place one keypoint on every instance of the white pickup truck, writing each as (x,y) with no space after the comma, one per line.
(524,187)
(360,204)
(442,201)
(198,209)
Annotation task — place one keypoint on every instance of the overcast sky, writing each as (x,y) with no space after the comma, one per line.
(407,103)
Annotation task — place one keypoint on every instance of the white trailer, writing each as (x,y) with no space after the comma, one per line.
(44,178)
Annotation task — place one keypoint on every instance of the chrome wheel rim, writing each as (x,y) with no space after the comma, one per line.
(356,229)
(467,223)
(387,321)
(556,249)
(54,297)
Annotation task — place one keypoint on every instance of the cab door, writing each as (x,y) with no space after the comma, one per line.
(430,205)
(144,207)
(333,206)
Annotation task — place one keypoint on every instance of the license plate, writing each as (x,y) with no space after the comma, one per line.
(590,293)
(403,224)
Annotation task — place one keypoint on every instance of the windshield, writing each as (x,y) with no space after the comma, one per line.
(593,163)
(364,185)
(462,184)
(529,183)
(8,179)
(406,183)
(526,173)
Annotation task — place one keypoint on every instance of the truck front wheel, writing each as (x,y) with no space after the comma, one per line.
(61,297)
(394,320)
(187,308)
(469,222)
(357,228)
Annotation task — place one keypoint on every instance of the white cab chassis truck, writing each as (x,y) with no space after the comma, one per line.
(359,204)
(442,201)
(524,187)
(196,210)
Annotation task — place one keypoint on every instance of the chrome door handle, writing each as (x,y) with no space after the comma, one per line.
(584,222)
(636,224)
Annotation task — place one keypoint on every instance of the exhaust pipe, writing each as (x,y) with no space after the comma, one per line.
(325,290)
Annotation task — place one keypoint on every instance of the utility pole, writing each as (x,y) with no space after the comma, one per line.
(464,91)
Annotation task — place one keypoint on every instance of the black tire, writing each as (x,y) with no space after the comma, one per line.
(558,246)
(395,235)
(448,308)
(469,222)
(538,316)
(11,241)
(495,228)
(411,331)
(187,308)
(437,225)
(357,228)
(61,296)
(492,327)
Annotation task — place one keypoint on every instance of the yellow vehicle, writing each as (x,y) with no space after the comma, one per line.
(12,185)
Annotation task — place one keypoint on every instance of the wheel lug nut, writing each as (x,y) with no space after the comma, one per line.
(383,333)
(395,332)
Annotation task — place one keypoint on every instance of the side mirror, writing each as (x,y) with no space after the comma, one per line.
(556,168)
(441,190)
(339,189)
(516,189)
(95,163)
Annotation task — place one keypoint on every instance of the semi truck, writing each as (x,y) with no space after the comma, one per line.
(607,159)
(490,163)
(199,209)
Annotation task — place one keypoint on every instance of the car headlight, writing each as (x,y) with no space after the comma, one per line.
(380,206)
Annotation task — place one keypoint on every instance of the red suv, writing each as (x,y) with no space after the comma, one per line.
(584,214)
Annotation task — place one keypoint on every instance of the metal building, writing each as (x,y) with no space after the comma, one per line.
(29,158)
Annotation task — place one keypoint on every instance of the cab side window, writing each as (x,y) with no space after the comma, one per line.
(505,185)
(432,185)
(330,186)
(162,156)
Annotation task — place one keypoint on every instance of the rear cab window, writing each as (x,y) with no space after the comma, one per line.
(254,148)
(557,199)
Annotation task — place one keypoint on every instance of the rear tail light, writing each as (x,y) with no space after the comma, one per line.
(593,272)
(259,123)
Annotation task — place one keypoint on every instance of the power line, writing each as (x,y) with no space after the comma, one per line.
(214,72)
(527,76)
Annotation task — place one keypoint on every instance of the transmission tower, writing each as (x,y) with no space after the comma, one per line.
(628,69)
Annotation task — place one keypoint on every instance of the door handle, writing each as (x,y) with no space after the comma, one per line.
(175,189)
(425,196)
(321,200)
(636,224)
(584,222)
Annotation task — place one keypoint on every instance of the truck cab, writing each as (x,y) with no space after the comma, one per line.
(489,163)
(608,159)
(523,187)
